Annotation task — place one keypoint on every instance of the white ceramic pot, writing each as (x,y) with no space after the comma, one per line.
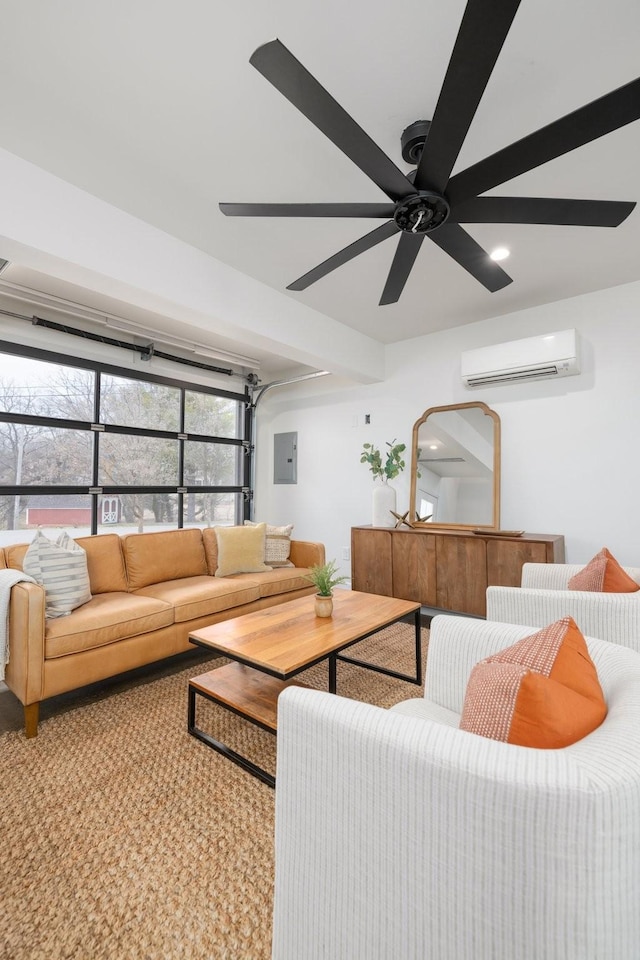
(384,501)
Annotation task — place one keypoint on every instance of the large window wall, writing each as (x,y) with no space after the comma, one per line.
(92,448)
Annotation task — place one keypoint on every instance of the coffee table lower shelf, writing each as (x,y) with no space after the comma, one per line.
(250,694)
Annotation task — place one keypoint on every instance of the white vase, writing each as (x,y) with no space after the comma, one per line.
(384,501)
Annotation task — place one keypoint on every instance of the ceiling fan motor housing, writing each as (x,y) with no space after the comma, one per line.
(412,140)
(424,210)
(421,212)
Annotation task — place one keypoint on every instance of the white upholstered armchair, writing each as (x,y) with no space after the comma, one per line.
(544,597)
(401,837)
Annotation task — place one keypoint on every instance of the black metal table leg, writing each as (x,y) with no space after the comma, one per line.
(417,679)
(220,747)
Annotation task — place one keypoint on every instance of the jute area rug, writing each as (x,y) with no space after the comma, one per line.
(125,838)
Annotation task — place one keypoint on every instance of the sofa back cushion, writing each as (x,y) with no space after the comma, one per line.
(3,562)
(211,549)
(105,562)
(14,555)
(170,555)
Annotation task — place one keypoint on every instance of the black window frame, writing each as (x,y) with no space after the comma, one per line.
(94,489)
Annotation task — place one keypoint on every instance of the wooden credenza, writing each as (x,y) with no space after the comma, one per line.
(447,569)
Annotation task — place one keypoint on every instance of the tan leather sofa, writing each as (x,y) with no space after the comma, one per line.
(149,591)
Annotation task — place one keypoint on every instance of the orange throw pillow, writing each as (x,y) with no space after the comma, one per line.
(603,574)
(541,692)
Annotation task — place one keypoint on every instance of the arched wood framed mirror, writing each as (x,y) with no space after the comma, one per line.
(455,467)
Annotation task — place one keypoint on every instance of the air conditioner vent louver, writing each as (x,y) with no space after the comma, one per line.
(534,358)
(529,374)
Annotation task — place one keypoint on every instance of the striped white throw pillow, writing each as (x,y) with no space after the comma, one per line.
(61,568)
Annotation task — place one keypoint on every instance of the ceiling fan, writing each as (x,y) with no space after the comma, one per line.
(429,203)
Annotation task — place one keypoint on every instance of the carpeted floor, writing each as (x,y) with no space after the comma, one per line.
(123,838)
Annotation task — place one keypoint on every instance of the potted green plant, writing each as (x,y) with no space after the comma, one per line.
(384,497)
(323,577)
(393,464)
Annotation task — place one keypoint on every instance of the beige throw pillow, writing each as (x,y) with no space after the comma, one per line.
(61,568)
(241,550)
(277,544)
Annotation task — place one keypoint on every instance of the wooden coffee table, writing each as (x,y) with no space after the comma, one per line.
(270,647)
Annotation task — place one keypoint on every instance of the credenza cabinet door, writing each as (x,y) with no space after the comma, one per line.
(371,562)
(461,574)
(505,559)
(414,567)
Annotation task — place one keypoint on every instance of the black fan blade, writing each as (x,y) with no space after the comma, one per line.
(578,213)
(343,256)
(294,82)
(602,116)
(482,33)
(455,241)
(403,261)
(372,210)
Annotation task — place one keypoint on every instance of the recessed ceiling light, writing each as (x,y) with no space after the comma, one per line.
(433,446)
(500,253)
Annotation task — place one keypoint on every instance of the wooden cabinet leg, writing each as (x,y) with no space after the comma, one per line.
(31,715)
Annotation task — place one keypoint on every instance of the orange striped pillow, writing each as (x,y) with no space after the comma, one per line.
(603,574)
(541,692)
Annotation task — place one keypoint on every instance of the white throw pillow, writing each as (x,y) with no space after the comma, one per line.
(277,544)
(61,568)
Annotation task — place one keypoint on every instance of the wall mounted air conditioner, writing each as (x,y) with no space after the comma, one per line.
(534,358)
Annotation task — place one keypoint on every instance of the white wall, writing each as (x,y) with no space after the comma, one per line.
(570,453)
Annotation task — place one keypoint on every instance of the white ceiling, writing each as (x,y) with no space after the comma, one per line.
(154,108)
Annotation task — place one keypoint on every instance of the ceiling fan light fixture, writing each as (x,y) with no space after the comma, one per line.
(500,253)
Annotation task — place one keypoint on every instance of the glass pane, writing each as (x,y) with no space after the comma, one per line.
(44,455)
(135,512)
(212,464)
(137,461)
(211,509)
(45,389)
(20,516)
(135,403)
(212,416)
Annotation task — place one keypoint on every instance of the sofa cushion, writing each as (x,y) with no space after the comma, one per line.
(3,562)
(104,562)
(199,596)
(210,549)
(169,555)
(277,544)
(241,550)
(275,582)
(603,574)
(108,617)
(14,554)
(541,692)
(61,568)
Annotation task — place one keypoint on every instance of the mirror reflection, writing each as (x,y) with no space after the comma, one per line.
(455,477)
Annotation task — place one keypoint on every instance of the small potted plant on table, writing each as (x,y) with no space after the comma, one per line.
(324,579)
